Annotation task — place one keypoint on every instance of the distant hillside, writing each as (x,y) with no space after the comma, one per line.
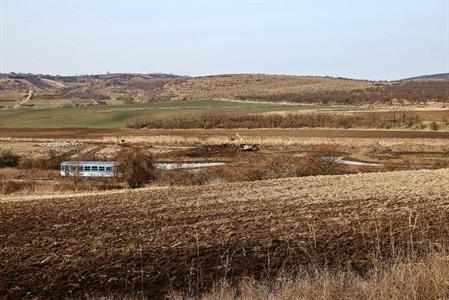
(49,90)
(434,77)
(126,88)
(262,87)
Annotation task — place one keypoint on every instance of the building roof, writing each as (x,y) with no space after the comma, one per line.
(98,163)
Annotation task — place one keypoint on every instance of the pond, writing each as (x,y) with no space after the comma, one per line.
(176,166)
(340,160)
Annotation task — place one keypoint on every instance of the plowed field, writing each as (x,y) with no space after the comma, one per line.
(156,240)
(94,133)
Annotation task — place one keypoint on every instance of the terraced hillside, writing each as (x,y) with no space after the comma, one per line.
(156,240)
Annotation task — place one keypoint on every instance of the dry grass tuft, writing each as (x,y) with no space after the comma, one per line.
(424,279)
(188,238)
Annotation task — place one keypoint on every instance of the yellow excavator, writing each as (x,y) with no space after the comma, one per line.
(243,145)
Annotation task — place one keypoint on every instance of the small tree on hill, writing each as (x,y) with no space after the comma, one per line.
(135,167)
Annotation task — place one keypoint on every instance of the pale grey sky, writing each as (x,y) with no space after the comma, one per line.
(360,39)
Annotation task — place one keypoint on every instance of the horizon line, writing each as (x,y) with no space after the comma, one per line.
(221,74)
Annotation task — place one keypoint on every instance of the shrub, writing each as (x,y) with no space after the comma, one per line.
(12,186)
(14,173)
(289,120)
(186,177)
(8,159)
(275,167)
(50,162)
(434,126)
(135,167)
(91,184)
(319,159)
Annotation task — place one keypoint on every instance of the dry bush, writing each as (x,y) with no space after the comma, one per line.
(33,163)
(420,279)
(8,159)
(10,173)
(13,173)
(320,159)
(271,168)
(13,186)
(90,184)
(399,279)
(213,175)
(379,151)
(289,120)
(8,186)
(135,167)
(51,161)
(434,126)
(280,166)
(186,177)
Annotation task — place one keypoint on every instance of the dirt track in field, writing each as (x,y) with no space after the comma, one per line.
(186,238)
(82,133)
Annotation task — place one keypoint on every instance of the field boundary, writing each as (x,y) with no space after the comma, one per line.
(181,189)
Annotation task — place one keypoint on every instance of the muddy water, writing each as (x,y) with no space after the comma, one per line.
(175,166)
(340,160)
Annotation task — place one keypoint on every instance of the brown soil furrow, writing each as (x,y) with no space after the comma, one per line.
(99,133)
(189,237)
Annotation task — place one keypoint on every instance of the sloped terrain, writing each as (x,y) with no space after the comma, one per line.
(126,88)
(137,88)
(434,77)
(155,240)
(258,86)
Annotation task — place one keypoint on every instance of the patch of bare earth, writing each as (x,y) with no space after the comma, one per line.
(155,241)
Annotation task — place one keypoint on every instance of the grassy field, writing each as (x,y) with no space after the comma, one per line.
(116,116)
(156,240)
(227,114)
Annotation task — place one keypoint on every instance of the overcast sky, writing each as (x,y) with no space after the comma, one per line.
(378,39)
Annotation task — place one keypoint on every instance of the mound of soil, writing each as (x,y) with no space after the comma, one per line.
(211,150)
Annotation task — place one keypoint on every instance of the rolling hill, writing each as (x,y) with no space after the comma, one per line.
(50,89)
(84,90)
(434,77)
